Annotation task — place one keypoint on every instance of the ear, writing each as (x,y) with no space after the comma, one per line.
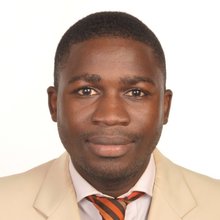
(52,102)
(167,103)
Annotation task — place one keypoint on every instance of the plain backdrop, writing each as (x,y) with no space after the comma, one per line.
(189,32)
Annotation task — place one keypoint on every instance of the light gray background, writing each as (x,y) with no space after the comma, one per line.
(189,31)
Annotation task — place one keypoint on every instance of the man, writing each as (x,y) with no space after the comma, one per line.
(110,103)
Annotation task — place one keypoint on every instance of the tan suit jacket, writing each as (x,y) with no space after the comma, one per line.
(46,192)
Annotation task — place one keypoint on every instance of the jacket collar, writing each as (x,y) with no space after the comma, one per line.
(172,198)
(56,198)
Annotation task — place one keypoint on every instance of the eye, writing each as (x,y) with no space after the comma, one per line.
(135,93)
(87,91)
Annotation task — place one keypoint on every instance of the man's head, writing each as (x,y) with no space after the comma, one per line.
(110,100)
(112,24)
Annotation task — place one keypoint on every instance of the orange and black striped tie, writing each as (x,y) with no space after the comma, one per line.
(113,209)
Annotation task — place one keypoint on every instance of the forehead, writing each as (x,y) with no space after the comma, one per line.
(112,56)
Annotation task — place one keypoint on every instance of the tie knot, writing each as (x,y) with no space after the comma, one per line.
(113,209)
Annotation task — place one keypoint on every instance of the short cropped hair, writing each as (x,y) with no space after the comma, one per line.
(107,24)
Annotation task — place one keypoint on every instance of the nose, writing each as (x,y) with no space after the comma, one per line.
(110,111)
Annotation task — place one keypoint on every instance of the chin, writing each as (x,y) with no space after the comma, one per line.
(111,170)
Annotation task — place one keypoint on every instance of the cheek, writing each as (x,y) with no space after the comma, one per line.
(70,126)
(72,117)
(148,124)
(148,117)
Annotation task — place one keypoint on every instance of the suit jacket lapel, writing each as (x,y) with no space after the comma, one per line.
(172,199)
(56,199)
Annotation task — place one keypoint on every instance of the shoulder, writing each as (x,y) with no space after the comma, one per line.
(192,179)
(206,193)
(18,192)
(204,190)
(202,185)
(188,194)
(28,181)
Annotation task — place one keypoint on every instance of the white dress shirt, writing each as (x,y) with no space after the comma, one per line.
(136,210)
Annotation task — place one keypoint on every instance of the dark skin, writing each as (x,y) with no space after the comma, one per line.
(110,106)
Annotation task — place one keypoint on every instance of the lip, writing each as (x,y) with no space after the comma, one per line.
(109,146)
(109,140)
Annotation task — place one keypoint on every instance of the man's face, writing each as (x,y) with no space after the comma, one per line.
(110,107)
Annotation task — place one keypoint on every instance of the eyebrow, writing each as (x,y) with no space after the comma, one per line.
(137,79)
(95,78)
(91,78)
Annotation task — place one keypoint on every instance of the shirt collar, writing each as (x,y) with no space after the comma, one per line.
(84,189)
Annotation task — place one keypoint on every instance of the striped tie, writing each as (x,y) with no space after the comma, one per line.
(113,209)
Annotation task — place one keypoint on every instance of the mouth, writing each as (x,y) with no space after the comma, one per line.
(109,146)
